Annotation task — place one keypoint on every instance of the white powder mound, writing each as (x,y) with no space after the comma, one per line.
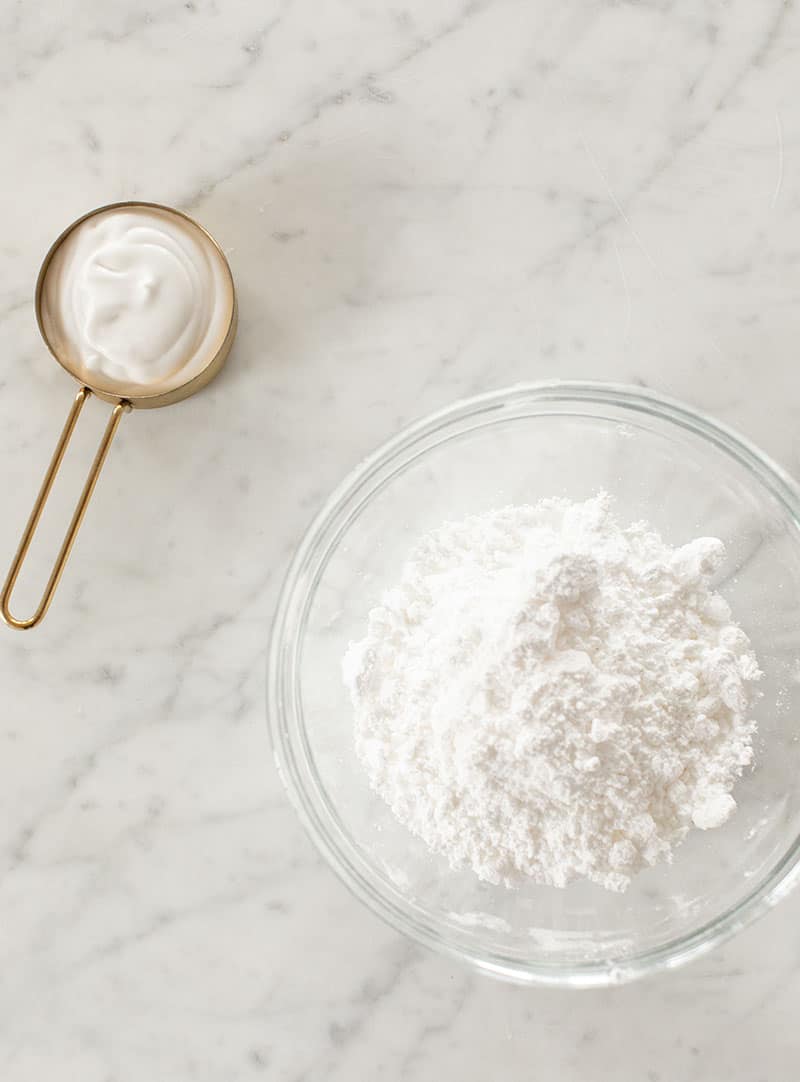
(546,694)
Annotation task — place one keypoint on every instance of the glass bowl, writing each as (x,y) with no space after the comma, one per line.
(662,462)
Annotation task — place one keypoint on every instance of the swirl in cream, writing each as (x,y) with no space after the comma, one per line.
(139,297)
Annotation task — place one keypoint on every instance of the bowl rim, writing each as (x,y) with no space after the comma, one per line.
(292,753)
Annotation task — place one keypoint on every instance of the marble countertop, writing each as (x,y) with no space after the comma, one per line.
(419,201)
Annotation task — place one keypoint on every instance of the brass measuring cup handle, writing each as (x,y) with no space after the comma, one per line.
(121,408)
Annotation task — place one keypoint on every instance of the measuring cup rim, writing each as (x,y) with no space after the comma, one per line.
(136,399)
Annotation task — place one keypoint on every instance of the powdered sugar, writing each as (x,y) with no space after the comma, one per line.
(546,694)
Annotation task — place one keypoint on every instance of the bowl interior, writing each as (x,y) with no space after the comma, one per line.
(687,480)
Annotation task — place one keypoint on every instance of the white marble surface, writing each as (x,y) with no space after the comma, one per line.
(419,200)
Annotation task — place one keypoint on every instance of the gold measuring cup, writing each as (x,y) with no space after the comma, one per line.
(122,396)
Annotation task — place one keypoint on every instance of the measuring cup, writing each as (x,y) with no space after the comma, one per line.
(115,386)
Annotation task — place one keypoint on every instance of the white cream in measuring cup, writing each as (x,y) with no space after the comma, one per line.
(137,303)
(137,296)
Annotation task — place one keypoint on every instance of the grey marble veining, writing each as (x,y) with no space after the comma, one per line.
(419,201)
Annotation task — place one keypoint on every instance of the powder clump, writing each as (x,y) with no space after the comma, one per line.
(548,695)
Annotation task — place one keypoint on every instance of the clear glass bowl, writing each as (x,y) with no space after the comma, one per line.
(662,462)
